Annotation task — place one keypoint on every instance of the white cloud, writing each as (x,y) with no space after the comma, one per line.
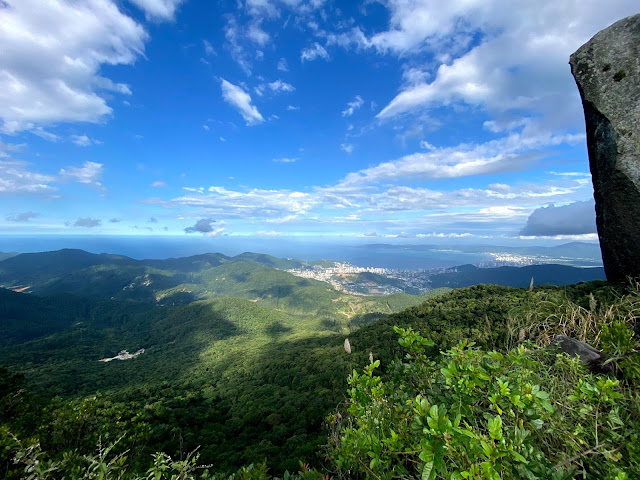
(586,237)
(268,233)
(257,35)
(89,173)
(15,177)
(353,106)
(282,65)
(208,48)
(84,141)
(285,219)
(445,235)
(414,76)
(402,210)
(313,52)
(42,133)
(346,147)
(292,108)
(158,9)
(159,184)
(273,8)
(234,37)
(508,154)
(426,145)
(285,160)
(280,86)
(261,8)
(51,56)
(518,66)
(222,139)
(241,100)
(223,203)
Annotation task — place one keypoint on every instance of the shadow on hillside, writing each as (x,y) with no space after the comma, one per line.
(276,402)
(178,298)
(67,363)
(276,329)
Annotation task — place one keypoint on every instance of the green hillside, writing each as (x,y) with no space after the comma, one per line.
(247,383)
(247,363)
(255,330)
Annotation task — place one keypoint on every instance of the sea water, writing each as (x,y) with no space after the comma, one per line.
(347,250)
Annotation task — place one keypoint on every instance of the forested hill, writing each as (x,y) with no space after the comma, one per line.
(244,383)
(248,275)
(248,363)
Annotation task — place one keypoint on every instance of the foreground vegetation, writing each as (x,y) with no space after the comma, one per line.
(474,391)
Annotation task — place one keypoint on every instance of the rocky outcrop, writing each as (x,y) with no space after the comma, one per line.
(588,355)
(577,348)
(607,72)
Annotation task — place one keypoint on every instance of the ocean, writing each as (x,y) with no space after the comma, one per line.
(347,250)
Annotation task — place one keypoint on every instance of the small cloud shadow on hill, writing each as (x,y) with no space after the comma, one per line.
(276,329)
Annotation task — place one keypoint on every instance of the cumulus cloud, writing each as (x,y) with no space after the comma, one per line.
(353,106)
(241,100)
(87,222)
(61,81)
(16,177)
(89,173)
(578,218)
(518,65)
(205,226)
(315,51)
(23,217)
(158,9)
(280,86)
(257,35)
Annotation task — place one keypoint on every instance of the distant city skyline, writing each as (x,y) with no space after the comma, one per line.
(378,120)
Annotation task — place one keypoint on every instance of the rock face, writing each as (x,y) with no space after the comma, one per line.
(577,348)
(588,355)
(607,72)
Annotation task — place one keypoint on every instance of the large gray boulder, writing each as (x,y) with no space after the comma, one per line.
(577,348)
(607,72)
(588,355)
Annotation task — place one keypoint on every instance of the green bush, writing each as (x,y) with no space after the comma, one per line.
(528,413)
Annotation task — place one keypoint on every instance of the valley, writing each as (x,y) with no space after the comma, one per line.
(244,339)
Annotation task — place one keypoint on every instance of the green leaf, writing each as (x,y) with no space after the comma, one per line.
(429,471)
(495,428)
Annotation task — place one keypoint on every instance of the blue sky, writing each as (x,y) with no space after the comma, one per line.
(367,119)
